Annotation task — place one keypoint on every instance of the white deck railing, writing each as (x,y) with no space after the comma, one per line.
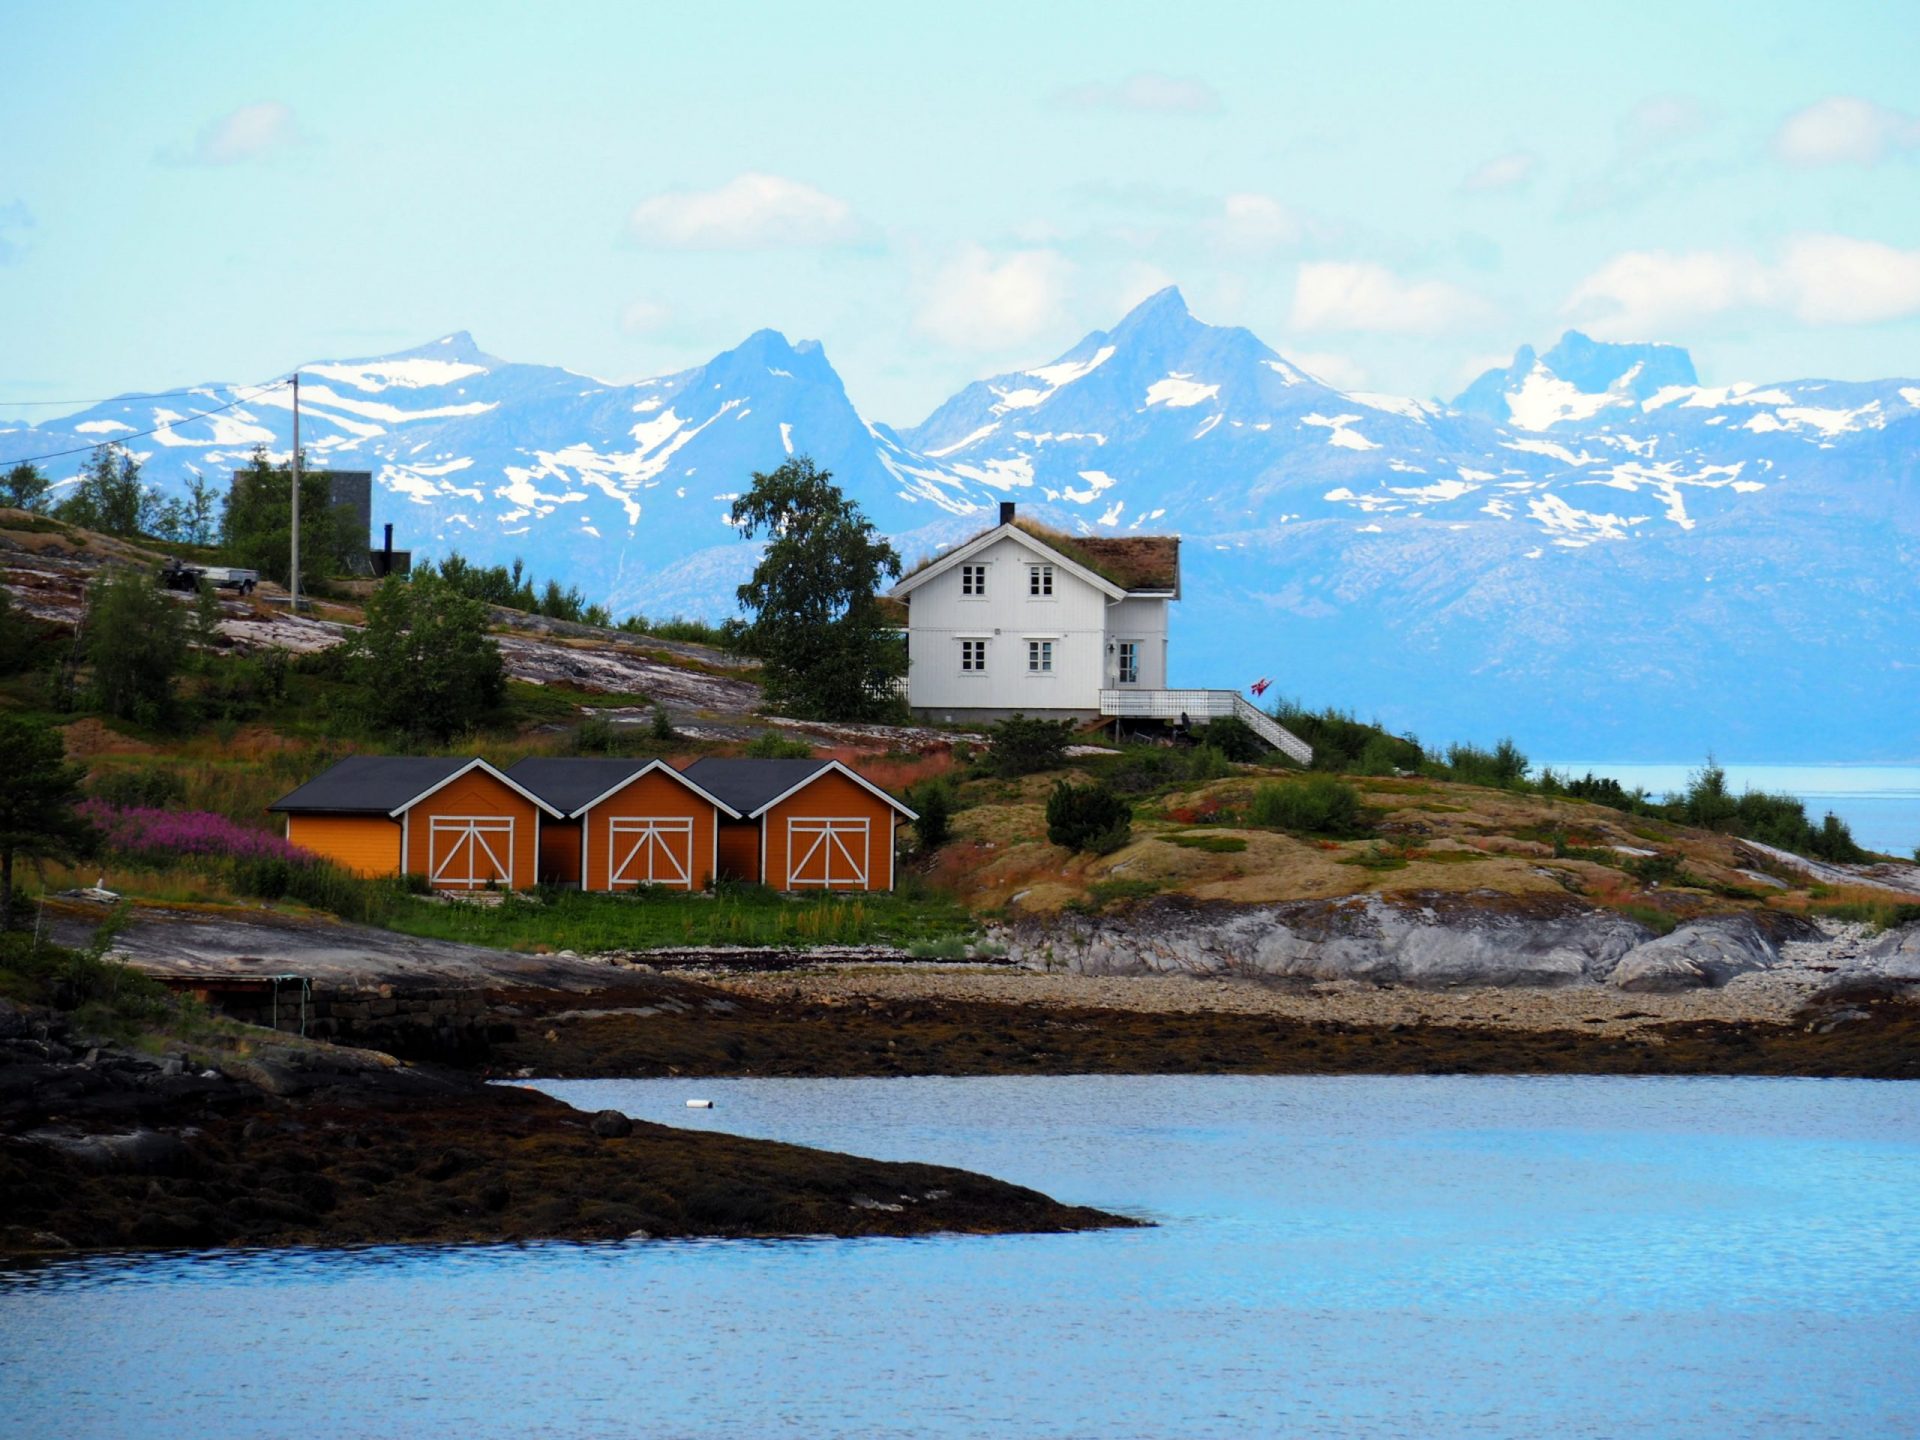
(1202,705)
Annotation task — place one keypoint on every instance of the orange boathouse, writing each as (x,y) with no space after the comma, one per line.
(627,823)
(803,824)
(460,823)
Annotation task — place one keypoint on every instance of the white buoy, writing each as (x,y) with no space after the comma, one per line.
(699,1104)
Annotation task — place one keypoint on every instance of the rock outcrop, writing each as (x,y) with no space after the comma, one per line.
(1428,941)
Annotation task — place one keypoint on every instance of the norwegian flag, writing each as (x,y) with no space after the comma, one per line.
(1259,687)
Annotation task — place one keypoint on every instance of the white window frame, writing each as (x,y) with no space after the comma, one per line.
(822,836)
(651,834)
(973,581)
(979,667)
(1040,657)
(471,827)
(1040,582)
(1120,671)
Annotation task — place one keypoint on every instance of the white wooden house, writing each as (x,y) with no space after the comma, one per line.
(1025,620)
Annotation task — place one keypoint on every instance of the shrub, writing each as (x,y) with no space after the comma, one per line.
(660,726)
(773,746)
(136,642)
(1342,743)
(932,800)
(1088,817)
(1233,738)
(1209,763)
(1022,746)
(1317,805)
(163,836)
(148,788)
(1502,767)
(596,735)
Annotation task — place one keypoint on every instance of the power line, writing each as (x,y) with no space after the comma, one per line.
(141,434)
(110,399)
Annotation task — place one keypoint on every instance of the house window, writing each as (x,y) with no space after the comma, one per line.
(973,580)
(1129,667)
(1040,657)
(1040,580)
(973,656)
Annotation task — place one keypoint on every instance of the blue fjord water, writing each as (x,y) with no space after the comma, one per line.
(1368,1256)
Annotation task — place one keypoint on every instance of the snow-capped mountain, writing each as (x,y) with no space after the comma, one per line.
(1587,549)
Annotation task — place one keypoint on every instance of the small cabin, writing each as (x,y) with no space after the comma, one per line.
(461,823)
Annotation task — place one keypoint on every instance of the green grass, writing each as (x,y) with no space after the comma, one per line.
(1654,918)
(660,919)
(1879,914)
(1211,843)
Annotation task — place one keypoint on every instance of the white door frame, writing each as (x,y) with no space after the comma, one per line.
(656,837)
(826,836)
(471,829)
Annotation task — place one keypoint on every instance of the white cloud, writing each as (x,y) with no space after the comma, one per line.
(645,317)
(750,212)
(1339,371)
(1150,92)
(1817,279)
(978,303)
(1662,120)
(1352,295)
(1834,280)
(1844,130)
(251,132)
(1503,172)
(1257,224)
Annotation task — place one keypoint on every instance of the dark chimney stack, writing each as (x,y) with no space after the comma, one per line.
(1006,512)
(386,553)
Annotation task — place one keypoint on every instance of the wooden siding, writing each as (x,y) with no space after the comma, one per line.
(559,852)
(654,796)
(828,796)
(364,844)
(740,851)
(477,795)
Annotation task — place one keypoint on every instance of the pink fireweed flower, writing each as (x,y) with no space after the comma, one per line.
(161,835)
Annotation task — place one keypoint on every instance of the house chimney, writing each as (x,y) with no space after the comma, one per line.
(386,552)
(1006,512)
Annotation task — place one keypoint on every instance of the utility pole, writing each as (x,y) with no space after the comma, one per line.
(293,580)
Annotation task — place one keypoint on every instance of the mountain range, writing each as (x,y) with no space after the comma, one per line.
(1587,549)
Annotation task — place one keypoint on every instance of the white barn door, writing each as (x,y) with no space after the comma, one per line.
(650,852)
(469,852)
(829,854)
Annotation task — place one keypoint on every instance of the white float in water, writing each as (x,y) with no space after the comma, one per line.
(699,1104)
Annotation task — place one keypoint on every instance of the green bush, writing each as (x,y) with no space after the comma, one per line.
(1022,746)
(1502,767)
(1344,744)
(932,800)
(151,787)
(1317,805)
(1088,817)
(774,746)
(1208,763)
(1233,738)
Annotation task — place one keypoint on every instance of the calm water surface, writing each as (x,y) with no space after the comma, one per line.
(1354,1256)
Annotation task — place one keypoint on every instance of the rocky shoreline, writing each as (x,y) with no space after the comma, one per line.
(290,1143)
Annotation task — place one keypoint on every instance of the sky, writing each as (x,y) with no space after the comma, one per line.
(1395,196)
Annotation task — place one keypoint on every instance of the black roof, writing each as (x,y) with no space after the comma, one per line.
(568,783)
(746,785)
(371,784)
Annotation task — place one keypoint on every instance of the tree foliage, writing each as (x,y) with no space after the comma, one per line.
(38,793)
(256,523)
(110,496)
(24,487)
(424,659)
(816,624)
(135,641)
